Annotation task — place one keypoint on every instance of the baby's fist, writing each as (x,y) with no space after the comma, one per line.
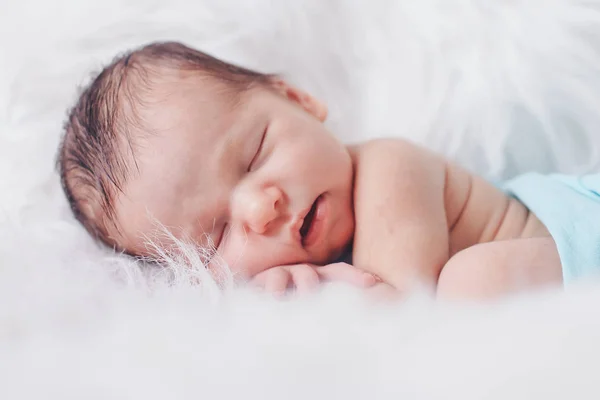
(306,277)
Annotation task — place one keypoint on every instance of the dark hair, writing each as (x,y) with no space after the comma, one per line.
(96,154)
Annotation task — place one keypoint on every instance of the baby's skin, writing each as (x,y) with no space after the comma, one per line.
(422,220)
(281,198)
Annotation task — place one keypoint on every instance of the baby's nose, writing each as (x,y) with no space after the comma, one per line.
(262,209)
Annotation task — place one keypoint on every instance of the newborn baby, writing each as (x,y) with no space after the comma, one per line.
(241,163)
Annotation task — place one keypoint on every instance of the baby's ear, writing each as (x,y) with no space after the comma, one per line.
(305,100)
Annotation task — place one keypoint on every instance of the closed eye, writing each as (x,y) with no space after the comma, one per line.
(258,151)
(221,237)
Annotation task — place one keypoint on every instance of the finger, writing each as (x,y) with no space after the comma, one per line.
(259,280)
(277,281)
(342,272)
(383,292)
(304,277)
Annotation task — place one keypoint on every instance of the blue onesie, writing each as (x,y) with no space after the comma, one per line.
(569,206)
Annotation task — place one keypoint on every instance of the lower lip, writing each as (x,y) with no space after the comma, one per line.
(316,228)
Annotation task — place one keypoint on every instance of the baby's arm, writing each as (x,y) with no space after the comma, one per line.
(492,269)
(401,228)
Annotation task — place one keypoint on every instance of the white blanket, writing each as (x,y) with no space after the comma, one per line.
(501,86)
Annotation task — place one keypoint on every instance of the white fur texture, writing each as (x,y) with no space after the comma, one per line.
(502,86)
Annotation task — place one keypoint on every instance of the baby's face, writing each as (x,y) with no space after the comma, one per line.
(260,178)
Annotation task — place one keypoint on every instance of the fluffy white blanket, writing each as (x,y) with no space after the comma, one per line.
(502,86)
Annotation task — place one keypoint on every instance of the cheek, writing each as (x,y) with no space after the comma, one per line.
(303,158)
(244,257)
(247,256)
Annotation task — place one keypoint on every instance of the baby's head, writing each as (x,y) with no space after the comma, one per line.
(223,156)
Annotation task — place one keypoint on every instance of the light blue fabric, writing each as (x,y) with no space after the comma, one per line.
(569,206)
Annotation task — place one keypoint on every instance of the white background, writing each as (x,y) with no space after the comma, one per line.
(502,87)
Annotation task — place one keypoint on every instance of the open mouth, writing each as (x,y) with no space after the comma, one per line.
(309,221)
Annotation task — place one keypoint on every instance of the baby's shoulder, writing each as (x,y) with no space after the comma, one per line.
(398,159)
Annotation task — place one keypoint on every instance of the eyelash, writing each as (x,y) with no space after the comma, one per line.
(258,151)
(223,233)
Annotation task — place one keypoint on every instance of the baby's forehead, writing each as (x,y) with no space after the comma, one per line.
(180,163)
(162,83)
(196,110)
(184,102)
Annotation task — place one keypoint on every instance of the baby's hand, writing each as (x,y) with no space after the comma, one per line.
(306,277)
